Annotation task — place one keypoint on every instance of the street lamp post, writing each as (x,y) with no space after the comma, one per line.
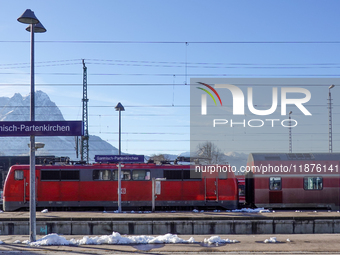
(35,26)
(119,107)
(330,145)
(290,133)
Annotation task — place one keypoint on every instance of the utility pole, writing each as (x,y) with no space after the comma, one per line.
(290,133)
(330,145)
(84,150)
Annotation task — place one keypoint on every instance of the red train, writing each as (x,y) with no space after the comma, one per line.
(95,186)
(293,180)
(274,180)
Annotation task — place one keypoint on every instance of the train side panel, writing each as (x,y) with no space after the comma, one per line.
(307,181)
(96,186)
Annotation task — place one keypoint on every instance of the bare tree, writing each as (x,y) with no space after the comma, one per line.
(160,158)
(209,153)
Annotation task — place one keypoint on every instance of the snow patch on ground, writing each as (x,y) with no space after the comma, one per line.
(217,239)
(198,211)
(51,239)
(115,238)
(249,210)
(271,240)
(264,211)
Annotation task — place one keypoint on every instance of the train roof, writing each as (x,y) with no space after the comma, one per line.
(292,156)
(107,165)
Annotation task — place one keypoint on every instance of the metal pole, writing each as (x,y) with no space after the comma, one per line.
(119,187)
(119,171)
(290,135)
(119,133)
(32,149)
(153,195)
(330,146)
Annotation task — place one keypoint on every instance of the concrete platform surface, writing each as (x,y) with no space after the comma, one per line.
(182,223)
(298,244)
(146,216)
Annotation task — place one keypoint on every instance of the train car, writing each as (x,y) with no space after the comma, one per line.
(96,186)
(293,180)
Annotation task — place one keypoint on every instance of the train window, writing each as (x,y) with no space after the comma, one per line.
(312,183)
(275,183)
(173,174)
(241,190)
(125,175)
(140,175)
(69,175)
(102,175)
(272,158)
(50,175)
(186,174)
(18,175)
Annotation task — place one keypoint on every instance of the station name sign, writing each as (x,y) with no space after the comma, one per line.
(41,128)
(119,158)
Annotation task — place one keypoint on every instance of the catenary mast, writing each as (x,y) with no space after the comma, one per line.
(84,149)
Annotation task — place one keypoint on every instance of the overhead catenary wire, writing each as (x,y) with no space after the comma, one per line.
(169,42)
(162,84)
(149,63)
(180,65)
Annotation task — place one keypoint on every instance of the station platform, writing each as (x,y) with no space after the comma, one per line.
(184,223)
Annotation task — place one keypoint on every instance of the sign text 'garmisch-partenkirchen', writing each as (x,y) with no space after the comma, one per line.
(41,128)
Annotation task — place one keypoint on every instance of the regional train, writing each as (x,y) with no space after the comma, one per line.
(96,186)
(272,180)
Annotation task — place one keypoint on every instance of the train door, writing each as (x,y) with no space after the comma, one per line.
(211,189)
(27,186)
(275,190)
(22,179)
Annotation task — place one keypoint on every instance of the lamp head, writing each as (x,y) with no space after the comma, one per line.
(38,145)
(28,17)
(38,28)
(332,86)
(119,107)
(290,112)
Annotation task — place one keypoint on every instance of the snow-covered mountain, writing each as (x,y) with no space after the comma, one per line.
(17,108)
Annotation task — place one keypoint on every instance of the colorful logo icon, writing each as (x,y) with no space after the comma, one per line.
(209,93)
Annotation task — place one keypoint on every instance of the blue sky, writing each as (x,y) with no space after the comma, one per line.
(135,44)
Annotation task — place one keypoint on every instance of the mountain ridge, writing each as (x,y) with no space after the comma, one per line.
(17,108)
